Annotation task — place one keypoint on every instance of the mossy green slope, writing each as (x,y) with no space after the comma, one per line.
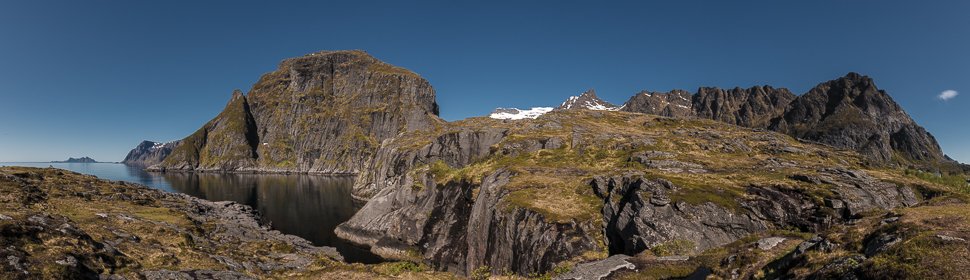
(226,142)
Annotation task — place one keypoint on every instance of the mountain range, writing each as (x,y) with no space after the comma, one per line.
(742,182)
(847,113)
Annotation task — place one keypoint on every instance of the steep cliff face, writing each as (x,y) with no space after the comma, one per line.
(325,112)
(149,153)
(851,113)
(752,107)
(675,103)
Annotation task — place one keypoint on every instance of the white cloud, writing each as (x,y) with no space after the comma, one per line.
(947,94)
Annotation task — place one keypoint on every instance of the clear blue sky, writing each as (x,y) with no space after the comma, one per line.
(94,78)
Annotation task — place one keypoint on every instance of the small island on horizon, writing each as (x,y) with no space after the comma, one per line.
(82,159)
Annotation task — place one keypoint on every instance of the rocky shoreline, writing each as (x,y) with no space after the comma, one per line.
(130,231)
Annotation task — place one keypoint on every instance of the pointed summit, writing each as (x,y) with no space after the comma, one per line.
(852,113)
(589,101)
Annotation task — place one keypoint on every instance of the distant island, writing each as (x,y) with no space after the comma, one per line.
(83,159)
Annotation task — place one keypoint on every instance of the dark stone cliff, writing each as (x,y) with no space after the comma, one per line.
(325,112)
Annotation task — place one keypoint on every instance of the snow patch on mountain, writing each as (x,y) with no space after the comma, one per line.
(516,114)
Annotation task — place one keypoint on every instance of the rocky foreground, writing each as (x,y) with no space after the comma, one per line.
(571,188)
(57,224)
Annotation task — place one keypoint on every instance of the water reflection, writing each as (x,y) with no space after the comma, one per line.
(308,206)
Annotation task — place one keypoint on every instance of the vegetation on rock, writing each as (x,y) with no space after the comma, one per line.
(571,167)
(57,224)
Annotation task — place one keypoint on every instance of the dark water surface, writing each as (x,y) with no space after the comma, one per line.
(308,206)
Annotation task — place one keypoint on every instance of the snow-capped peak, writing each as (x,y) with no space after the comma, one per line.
(587,100)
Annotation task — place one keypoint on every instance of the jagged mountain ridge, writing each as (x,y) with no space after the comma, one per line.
(150,152)
(324,112)
(847,113)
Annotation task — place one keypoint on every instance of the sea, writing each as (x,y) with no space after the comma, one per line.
(308,206)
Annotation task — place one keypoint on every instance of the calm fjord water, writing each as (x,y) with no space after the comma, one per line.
(308,206)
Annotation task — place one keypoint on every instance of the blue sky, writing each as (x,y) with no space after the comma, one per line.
(95,78)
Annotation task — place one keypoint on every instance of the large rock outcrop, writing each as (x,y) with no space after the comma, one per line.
(325,112)
(149,153)
(455,230)
(457,225)
(638,215)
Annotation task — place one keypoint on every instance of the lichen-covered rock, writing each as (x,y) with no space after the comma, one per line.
(633,225)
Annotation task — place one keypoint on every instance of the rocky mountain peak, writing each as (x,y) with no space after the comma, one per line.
(236,95)
(324,112)
(852,113)
(587,100)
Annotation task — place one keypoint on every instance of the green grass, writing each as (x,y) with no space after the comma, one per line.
(957,182)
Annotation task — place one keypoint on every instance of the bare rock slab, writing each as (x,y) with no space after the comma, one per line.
(598,269)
